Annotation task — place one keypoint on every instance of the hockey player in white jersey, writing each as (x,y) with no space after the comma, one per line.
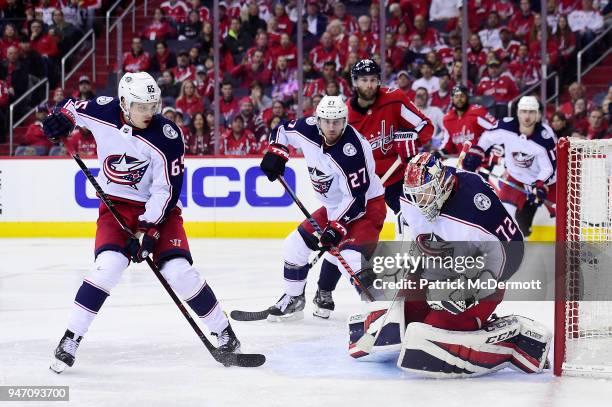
(141,157)
(452,333)
(529,159)
(342,171)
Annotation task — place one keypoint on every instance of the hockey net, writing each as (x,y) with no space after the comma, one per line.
(583,307)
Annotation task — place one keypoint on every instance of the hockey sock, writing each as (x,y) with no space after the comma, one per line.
(329,276)
(295,278)
(204,303)
(88,301)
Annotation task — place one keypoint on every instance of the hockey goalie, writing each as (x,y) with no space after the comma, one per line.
(452,332)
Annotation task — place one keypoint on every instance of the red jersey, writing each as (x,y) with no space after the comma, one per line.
(158,31)
(35,136)
(190,106)
(509,52)
(177,11)
(245,145)
(392,111)
(136,63)
(228,108)
(503,88)
(443,101)
(319,55)
(181,74)
(467,127)
(84,145)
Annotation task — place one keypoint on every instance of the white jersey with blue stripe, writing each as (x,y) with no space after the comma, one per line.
(475,217)
(527,158)
(343,175)
(144,166)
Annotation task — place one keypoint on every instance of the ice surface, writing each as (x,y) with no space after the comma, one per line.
(141,352)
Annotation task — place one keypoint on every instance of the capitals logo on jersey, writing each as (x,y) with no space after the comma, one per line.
(522,160)
(382,140)
(124,170)
(321,182)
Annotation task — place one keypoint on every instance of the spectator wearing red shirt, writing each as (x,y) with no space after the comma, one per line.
(35,137)
(137,60)
(576,91)
(504,8)
(366,35)
(82,142)
(276,110)
(352,47)
(579,119)
(394,55)
(447,52)
(523,68)
(402,37)
(199,140)
(274,33)
(476,57)
(552,53)
(284,22)
(566,42)
(203,11)
(500,85)
(253,70)
(159,29)
(348,21)
(428,34)
(251,121)
(398,18)
(567,6)
(175,9)
(338,34)
(508,48)
(324,52)
(189,102)
(9,38)
(261,44)
(163,58)
(442,98)
(183,70)
(41,42)
(318,86)
(287,50)
(237,140)
(522,22)
(597,128)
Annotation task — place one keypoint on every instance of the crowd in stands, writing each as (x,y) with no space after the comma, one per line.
(258,58)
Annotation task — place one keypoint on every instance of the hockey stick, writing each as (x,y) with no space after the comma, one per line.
(227,359)
(367,341)
(334,251)
(391,170)
(514,186)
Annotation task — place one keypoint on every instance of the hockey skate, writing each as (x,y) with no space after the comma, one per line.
(288,308)
(324,304)
(65,352)
(227,340)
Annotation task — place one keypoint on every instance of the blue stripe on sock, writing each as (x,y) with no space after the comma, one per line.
(295,273)
(204,301)
(90,297)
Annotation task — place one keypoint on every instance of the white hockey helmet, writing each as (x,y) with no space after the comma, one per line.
(332,107)
(139,87)
(528,103)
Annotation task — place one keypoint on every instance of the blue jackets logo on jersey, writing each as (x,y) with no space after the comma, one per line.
(321,182)
(522,160)
(433,245)
(124,170)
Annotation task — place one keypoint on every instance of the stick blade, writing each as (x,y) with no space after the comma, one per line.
(249,315)
(240,359)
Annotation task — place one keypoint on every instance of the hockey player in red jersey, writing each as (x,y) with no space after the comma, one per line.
(395,129)
(464,121)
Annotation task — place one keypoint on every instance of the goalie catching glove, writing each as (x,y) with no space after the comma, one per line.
(143,243)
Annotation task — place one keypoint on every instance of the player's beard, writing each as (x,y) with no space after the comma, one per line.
(461,109)
(368,96)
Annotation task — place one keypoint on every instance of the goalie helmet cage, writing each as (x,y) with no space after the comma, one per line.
(583,310)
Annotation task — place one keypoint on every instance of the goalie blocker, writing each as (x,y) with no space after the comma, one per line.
(511,341)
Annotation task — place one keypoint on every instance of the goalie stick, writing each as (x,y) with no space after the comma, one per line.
(225,358)
(513,185)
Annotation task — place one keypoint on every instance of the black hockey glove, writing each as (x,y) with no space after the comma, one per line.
(143,244)
(473,159)
(273,162)
(58,124)
(538,194)
(333,234)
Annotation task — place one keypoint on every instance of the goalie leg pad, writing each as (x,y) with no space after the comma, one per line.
(440,353)
(377,334)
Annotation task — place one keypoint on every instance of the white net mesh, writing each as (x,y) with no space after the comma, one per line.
(588,322)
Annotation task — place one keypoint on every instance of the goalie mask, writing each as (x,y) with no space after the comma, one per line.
(139,95)
(427,184)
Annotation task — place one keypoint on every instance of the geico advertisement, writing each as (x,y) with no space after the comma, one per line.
(214,189)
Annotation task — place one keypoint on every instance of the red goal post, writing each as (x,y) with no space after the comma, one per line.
(583,306)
